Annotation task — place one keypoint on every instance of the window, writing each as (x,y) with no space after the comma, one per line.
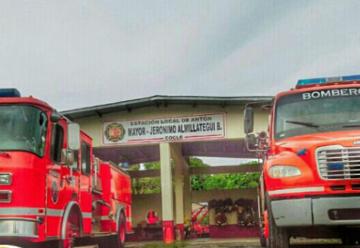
(297,115)
(76,160)
(57,142)
(23,128)
(85,158)
(96,180)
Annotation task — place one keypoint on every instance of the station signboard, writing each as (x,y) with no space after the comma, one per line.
(167,129)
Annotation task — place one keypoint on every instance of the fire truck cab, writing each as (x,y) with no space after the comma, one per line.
(52,189)
(310,182)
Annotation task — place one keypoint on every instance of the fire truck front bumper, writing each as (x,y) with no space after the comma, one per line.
(317,211)
(22,228)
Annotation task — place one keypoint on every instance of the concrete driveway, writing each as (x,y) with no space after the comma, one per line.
(197,243)
(233,243)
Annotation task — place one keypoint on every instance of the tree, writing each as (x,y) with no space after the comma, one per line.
(152,166)
(223,181)
(198,182)
(146,185)
(195,162)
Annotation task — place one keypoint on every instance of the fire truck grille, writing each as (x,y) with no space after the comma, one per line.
(337,162)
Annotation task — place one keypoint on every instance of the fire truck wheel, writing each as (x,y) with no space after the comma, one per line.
(122,230)
(350,237)
(278,236)
(72,230)
(346,240)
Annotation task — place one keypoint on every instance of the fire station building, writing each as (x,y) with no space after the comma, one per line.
(170,129)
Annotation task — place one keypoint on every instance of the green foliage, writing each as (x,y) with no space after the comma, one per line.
(223,181)
(134,167)
(146,185)
(198,182)
(196,162)
(226,181)
(152,166)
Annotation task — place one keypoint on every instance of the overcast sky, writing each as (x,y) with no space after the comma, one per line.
(80,53)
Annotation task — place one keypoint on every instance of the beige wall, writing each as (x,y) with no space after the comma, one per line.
(142,203)
(233,118)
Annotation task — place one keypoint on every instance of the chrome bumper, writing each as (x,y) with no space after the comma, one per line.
(317,211)
(26,228)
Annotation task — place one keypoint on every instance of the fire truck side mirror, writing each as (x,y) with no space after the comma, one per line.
(73,136)
(248,120)
(55,116)
(67,157)
(251,142)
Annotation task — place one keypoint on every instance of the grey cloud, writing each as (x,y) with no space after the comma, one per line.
(79,53)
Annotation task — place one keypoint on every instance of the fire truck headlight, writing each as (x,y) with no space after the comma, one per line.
(5,179)
(280,171)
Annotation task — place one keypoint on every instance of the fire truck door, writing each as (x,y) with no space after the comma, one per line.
(62,180)
(85,180)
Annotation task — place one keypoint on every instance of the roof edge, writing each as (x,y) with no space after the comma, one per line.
(140,102)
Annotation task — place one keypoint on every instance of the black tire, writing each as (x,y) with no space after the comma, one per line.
(73,230)
(350,237)
(278,236)
(120,239)
(349,240)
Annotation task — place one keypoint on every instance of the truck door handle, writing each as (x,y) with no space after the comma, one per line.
(68,179)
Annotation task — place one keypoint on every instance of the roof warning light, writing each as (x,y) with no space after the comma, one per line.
(11,92)
(313,81)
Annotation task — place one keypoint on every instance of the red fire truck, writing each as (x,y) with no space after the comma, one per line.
(310,183)
(53,191)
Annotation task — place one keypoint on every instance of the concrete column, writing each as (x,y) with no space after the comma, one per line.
(167,193)
(187,195)
(179,203)
(182,196)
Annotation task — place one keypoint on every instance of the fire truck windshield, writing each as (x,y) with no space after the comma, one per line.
(317,111)
(23,128)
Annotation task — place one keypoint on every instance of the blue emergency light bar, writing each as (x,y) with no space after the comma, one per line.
(312,81)
(11,92)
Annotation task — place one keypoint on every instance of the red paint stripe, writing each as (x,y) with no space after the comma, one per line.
(136,140)
(204,136)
